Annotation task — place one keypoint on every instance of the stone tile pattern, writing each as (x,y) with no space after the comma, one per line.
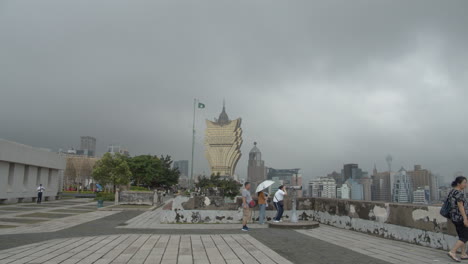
(51,225)
(146,248)
(384,249)
(57,224)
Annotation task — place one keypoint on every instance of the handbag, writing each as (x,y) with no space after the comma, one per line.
(252,204)
(445,209)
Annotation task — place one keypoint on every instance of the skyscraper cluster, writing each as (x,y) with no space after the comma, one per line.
(417,186)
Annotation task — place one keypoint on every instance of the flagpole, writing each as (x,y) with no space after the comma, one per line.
(193,142)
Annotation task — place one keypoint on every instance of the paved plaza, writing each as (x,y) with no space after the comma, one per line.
(75,231)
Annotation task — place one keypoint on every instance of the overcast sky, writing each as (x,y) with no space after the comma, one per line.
(316,83)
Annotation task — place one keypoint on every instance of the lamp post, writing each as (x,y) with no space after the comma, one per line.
(193,144)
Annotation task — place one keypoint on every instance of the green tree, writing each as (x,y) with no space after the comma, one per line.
(229,186)
(145,169)
(112,169)
(169,176)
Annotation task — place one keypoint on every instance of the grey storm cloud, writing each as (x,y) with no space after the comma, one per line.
(317,83)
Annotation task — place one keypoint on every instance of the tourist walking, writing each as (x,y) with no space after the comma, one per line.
(262,204)
(40,190)
(278,201)
(458,215)
(246,204)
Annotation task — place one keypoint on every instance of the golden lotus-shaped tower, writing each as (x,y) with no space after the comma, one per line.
(223,139)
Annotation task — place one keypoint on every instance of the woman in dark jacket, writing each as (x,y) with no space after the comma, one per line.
(458,214)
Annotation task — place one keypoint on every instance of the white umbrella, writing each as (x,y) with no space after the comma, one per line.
(264,185)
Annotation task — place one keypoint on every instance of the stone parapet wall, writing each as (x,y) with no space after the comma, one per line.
(138,198)
(417,224)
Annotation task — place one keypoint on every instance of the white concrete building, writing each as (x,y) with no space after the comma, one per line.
(23,168)
(322,187)
(344,192)
(419,196)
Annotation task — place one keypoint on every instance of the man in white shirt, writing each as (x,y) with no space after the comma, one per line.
(279,203)
(40,190)
(246,199)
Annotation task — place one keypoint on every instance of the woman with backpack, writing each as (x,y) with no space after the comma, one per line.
(458,215)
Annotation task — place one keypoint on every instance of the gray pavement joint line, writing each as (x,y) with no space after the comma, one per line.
(258,252)
(204,243)
(51,255)
(137,243)
(233,250)
(74,250)
(37,249)
(141,244)
(107,248)
(222,246)
(247,259)
(93,246)
(154,249)
(245,244)
(165,248)
(152,245)
(129,238)
(198,244)
(267,251)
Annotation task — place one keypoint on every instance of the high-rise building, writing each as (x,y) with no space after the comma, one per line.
(423,177)
(347,171)
(322,187)
(357,190)
(381,186)
(419,196)
(223,140)
(287,176)
(256,170)
(274,187)
(88,145)
(183,166)
(366,183)
(402,189)
(113,149)
(343,192)
(337,177)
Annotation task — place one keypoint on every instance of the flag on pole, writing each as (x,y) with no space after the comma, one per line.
(201,105)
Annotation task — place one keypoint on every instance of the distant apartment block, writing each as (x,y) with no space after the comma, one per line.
(88,146)
(322,187)
(183,166)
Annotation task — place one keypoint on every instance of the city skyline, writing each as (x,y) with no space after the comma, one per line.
(317,86)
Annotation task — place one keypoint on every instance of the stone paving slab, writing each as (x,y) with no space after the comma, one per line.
(384,249)
(146,248)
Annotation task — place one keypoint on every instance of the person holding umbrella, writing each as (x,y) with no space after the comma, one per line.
(262,204)
(262,199)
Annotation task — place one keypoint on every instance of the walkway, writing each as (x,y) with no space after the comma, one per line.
(198,249)
(383,249)
(48,216)
(133,237)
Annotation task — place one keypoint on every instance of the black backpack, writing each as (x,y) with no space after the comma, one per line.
(445,209)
